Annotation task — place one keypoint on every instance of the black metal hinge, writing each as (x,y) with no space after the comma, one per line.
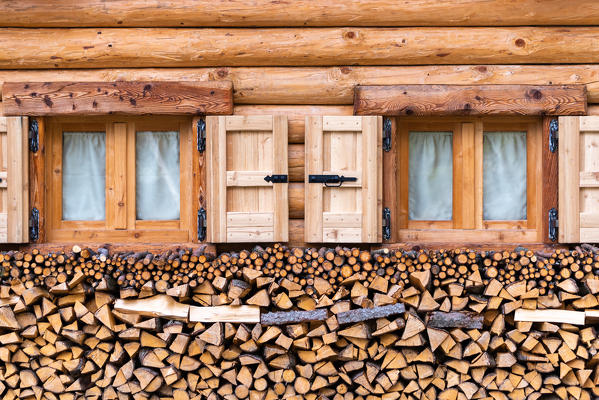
(276,178)
(201,132)
(386,223)
(553,135)
(331,180)
(34,222)
(386,134)
(202,224)
(553,224)
(34,136)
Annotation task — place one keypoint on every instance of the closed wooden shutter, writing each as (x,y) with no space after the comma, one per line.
(578,207)
(14,183)
(348,146)
(242,205)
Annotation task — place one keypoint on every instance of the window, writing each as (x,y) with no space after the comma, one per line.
(119,178)
(469,179)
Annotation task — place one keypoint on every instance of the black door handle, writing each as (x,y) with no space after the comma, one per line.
(331,180)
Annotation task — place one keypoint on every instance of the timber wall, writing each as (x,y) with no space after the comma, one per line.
(382,325)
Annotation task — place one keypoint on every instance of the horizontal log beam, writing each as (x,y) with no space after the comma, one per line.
(133,98)
(96,13)
(330,85)
(442,100)
(165,47)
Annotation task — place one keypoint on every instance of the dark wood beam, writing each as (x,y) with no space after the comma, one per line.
(131,98)
(442,100)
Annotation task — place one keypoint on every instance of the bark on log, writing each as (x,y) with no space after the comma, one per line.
(164,47)
(293,317)
(365,314)
(97,13)
(333,85)
(456,319)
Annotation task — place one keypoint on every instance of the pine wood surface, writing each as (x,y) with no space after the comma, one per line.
(37,13)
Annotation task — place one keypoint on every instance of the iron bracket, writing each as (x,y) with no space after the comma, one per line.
(201,132)
(202,225)
(553,135)
(386,133)
(553,224)
(34,137)
(34,222)
(386,223)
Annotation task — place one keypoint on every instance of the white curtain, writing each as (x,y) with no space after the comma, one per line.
(83,176)
(157,175)
(431,176)
(504,176)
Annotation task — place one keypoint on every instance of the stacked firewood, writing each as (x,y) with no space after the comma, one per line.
(400,325)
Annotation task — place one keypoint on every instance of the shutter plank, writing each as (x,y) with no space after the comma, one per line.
(314,192)
(17,180)
(371,197)
(216,160)
(280,167)
(569,180)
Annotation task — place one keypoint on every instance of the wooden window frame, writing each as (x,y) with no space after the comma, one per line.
(121,224)
(467,225)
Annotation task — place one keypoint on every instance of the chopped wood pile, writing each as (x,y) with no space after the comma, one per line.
(333,324)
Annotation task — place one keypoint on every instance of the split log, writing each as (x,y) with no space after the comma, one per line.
(293,317)
(463,319)
(365,314)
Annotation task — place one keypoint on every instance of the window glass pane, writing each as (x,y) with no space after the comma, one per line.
(504,176)
(157,175)
(431,176)
(83,176)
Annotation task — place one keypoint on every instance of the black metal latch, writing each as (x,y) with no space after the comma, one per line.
(34,141)
(553,135)
(331,180)
(386,134)
(201,132)
(276,178)
(34,221)
(202,224)
(553,224)
(386,223)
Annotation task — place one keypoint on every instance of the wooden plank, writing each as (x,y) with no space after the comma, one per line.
(341,124)
(37,179)
(469,236)
(550,179)
(115,47)
(249,123)
(256,219)
(216,173)
(552,316)
(117,176)
(248,178)
(444,100)
(569,179)
(342,235)
(371,161)
(199,188)
(238,314)
(281,190)
(18,180)
(2,124)
(249,234)
(313,231)
(478,174)
(589,179)
(133,98)
(389,175)
(342,220)
(136,13)
(468,187)
(305,87)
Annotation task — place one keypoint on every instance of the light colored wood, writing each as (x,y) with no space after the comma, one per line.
(4,187)
(372,159)
(158,306)
(552,316)
(237,314)
(325,85)
(216,182)
(17,230)
(468,191)
(478,174)
(313,230)
(334,123)
(117,177)
(281,190)
(249,123)
(342,220)
(242,219)
(569,180)
(115,47)
(247,178)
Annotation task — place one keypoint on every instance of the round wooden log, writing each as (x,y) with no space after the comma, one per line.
(164,47)
(333,85)
(38,13)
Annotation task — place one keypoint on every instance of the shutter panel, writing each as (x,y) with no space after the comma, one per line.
(350,146)
(241,152)
(14,186)
(578,209)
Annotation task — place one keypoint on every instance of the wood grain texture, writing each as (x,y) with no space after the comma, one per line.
(550,181)
(164,47)
(17,129)
(569,180)
(443,100)
(390,179)
(141,13)
(132,98)
(326,85)
(37,181)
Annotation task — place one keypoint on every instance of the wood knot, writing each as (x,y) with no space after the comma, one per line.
(345,70)
(47,101)
(222,73)
(133,102)
(520,42)
(534,94)
(482,69)
(350,35)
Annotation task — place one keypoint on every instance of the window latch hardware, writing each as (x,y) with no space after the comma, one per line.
(331,180)
(34,221)
(34,142)
(386,223)
(553,224)
(276,178)
(202,224)
(553,135)
(386,133)
(201,132)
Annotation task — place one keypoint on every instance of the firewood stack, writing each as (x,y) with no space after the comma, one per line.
(335,323)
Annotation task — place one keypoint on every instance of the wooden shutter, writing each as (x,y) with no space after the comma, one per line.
(14,184)
(349,146)
(241,152)
(578,209)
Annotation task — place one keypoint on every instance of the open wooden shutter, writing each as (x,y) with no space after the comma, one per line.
(242,205)
(14,183)
(578,209)
(348,146)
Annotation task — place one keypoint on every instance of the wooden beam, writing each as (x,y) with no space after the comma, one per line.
(550,181)
(240,314)
(99,13)
(133,98)
(166,47)
(553,316)
(443,100)
(326,85)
